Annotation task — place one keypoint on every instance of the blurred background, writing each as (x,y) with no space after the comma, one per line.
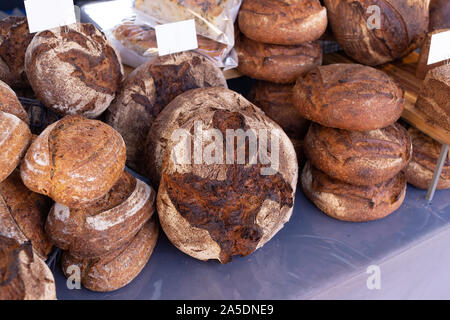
(6,5)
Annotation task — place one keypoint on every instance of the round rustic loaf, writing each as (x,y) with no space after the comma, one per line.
(74,70)
(117,268)
(224,205)
(287,22)
(347,202)
(439,14)
(402,27)
(74,161)
(420,169)
(14,40)
(23,275)
(9,103)
(349,96)
(107,224)
(150,88)
(359,158)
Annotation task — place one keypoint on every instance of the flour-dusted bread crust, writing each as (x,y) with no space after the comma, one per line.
(118,268)
(74,161)
(403,25)
(439,14)
(9,103)
(14,40)
(287,22)
(420,169)
(107,224)
(347,202)
(350,97)
(359,158)
(23,275)
(74,70)
(215,210)
(150,88)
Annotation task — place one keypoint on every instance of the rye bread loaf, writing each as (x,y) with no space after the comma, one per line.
(74,70)
(347,202)
(23,275)
(359,158)
(107,224)
(403,25)
(117,268)
(349,96)
(439,14)
(288,22)
(224,205)
(150,88)
(14,40)
(420,169)
(422,66)
(74,161)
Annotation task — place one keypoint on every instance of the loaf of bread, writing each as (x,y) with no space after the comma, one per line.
(422,66)
(347,202)
(74,161)
(9,103)
(439,14)
(14,40)
(23,275)
(74,70)
(149,89)
(288,22)
(374,39)
(420,169)
(434,96)
(117,268)
(349,96)
(106,225)
(275,63)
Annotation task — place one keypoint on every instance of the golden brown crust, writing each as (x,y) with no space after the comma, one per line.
(349,96)
(439,14)
(9,103)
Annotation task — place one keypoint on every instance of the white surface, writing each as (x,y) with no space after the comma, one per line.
(439,48)
(48,14)
(176,37)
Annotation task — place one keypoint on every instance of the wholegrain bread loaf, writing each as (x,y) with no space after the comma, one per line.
(349,96)
(150,88)
(422,65)
(439,14)
(347,202)
(106,225)
(74,161)
(73,70)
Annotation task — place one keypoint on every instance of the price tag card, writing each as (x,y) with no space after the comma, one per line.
(47,14)
(439,47)
(176,37)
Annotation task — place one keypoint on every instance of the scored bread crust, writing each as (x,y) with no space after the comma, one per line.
(287,22)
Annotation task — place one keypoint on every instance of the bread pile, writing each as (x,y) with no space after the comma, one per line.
(355,149)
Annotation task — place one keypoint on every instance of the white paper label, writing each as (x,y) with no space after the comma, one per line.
(439,47)
(47,14)
(176,37)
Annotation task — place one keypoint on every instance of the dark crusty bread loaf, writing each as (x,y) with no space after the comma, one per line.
(439,14)
(74,161)
(275,63)
(73,70)
(23,275)
(150,88)
(403,25)
(284,22)
(422,66)
(107,224)
(347,202)
(117,268)
(349,96)
(359,158)
(14,40)
(420,169)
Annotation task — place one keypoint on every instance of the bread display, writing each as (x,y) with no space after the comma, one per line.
(23,275)
(150,88)
(74,161)
(349,96)
(106,225)
(420,169)
(275,63)
(370,39)
(359,158)
(14,40)
(439,14)
(73,70)
(347,202)
(422,66)
(434,97)
(288,22)
(117,268)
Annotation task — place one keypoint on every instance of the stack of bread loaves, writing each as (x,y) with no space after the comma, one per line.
(355,149)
